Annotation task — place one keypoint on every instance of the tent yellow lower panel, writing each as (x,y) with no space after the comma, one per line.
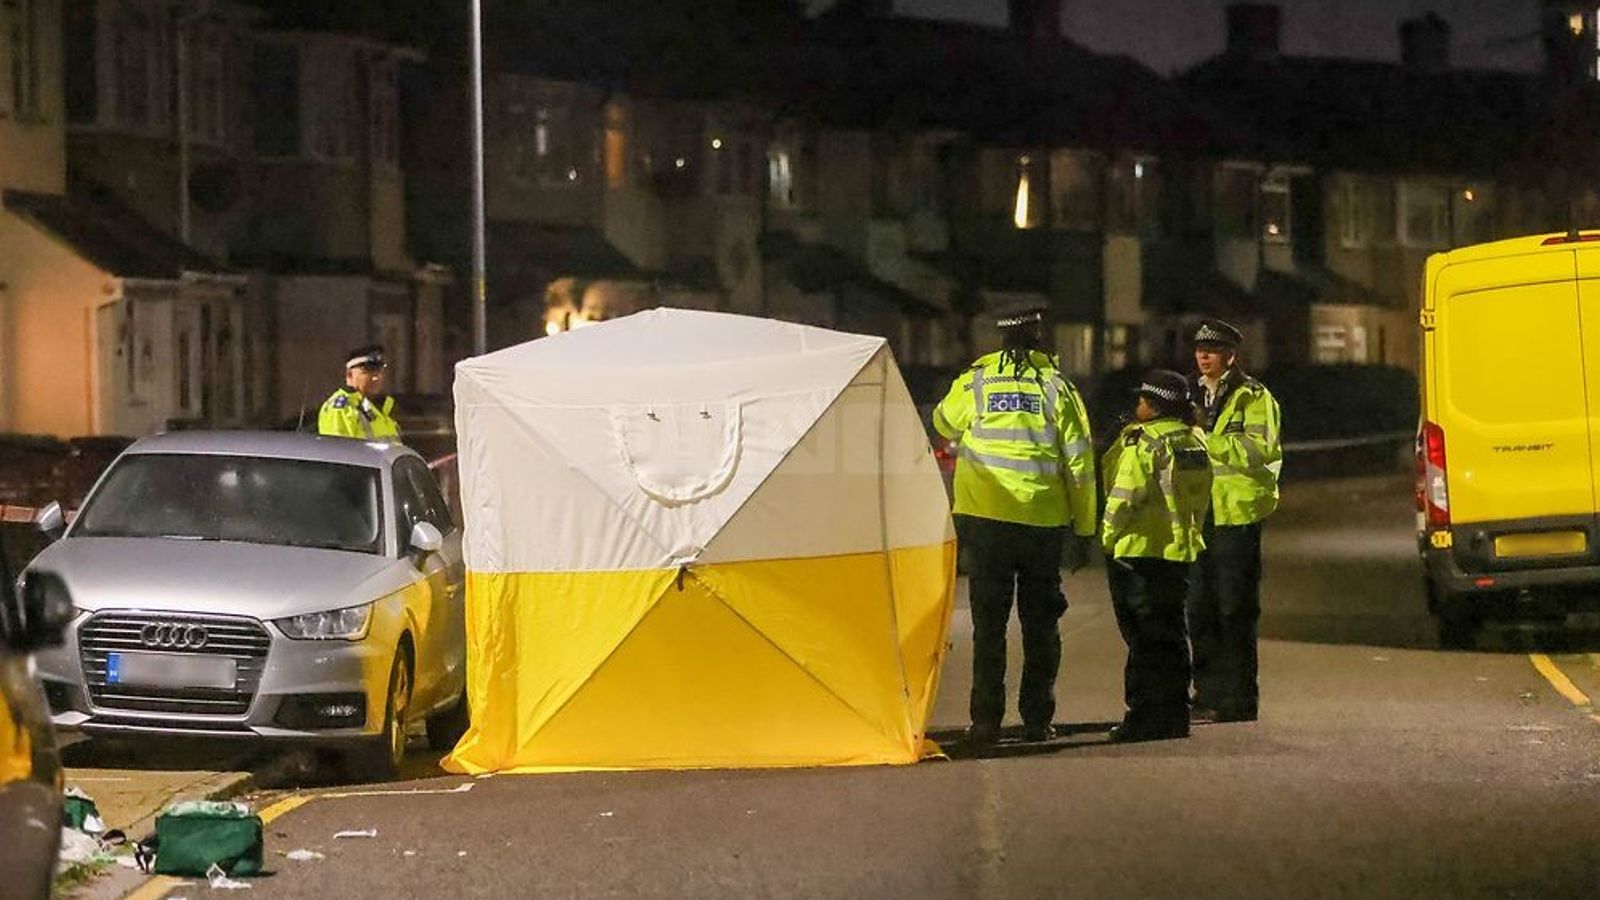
(823,661)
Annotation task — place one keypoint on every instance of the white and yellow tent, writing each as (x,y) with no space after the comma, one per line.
(698,540)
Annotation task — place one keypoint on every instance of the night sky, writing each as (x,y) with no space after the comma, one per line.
(1171,34)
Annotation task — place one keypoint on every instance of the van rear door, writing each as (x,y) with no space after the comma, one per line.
(1512,381)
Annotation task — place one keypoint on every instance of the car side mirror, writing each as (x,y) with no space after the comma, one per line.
(51,521)
(426,538)
(37,616)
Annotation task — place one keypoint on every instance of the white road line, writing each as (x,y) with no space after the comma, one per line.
(991,839)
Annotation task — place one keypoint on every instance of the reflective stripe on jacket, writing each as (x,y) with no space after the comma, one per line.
(348,414)
(1158,486)
(1243,438)
(1025,454)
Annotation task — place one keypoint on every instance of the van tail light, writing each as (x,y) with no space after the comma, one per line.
(1433,495)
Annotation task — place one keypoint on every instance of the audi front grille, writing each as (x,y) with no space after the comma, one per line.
(105,633)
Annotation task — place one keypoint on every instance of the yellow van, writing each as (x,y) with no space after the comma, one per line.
(1506,456)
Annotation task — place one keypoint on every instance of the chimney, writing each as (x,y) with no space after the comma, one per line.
(1253,30)
(1425,44)
(1037,21)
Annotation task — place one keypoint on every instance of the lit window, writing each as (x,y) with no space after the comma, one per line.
(1332,344)
(541,132)
(1027,209)
(1275,209)
(780,177)
(616,148)
(1575,23)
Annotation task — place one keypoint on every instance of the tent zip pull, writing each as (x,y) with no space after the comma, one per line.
(682,571)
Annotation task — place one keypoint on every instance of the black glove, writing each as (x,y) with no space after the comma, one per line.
(1074,553)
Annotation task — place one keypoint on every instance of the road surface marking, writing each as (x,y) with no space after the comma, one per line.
(991,848)
(284,806)
(1559,680)
(458,789)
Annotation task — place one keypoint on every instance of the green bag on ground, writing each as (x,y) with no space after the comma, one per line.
(191,837)
(79,812)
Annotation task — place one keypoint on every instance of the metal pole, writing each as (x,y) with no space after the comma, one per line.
(183,128)
(480,338)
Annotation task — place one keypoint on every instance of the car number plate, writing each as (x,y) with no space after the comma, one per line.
(174,670)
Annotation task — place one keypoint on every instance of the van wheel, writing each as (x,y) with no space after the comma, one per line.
(379,757)
(1457,630)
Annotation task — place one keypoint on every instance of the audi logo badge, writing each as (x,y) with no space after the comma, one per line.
(173,636)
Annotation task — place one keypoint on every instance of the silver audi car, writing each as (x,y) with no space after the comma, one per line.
(263,585)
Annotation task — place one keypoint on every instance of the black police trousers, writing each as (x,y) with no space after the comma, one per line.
(1148,596)
(1005,556)
(1224,608)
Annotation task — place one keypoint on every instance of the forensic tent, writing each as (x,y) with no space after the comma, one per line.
(698,540)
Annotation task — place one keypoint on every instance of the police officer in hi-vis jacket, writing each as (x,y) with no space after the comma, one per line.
(1025,499)
(1240,419)
(1158,486)
(359,409)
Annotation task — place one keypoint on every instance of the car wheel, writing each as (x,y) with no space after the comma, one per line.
(380,757)
(446,728)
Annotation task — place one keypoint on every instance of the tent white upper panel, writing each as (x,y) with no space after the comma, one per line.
(671,355)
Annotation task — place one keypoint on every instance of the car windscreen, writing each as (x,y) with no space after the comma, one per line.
(248,499)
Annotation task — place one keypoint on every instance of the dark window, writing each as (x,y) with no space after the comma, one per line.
(1235,202)
(409,505)
(427,488)
(21,21)
(79,36)
(185,392)
(275,95)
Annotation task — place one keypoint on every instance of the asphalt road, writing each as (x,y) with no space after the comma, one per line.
(1381,767)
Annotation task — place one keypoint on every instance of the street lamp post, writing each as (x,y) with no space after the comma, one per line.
(480,337)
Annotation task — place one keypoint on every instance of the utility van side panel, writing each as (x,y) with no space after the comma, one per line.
(1588,270)
(1510,387)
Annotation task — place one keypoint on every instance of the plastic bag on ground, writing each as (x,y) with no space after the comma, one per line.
(221,882)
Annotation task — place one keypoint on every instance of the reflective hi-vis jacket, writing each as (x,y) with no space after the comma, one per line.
(1242,435)
(1158,485)
(1025,454)
(348,414)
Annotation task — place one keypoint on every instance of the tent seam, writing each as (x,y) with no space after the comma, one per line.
(826,409)
(883,538)
(786,655)
(567,701)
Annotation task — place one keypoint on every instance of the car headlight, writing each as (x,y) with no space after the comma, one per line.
(348,624)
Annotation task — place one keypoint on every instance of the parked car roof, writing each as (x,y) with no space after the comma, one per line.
(277,444)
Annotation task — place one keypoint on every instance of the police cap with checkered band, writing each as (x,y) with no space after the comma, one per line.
(1166,390)
(1217,334)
